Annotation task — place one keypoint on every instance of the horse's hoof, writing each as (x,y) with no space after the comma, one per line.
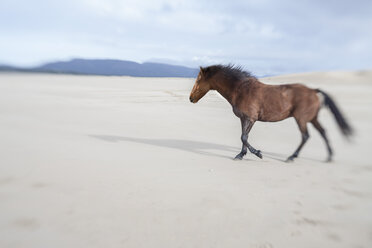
(290,159)
(238,157)
(328,160)
(259,154)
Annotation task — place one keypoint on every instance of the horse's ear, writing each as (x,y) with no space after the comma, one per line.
(202,71)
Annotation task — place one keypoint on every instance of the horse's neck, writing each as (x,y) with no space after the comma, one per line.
(226,89)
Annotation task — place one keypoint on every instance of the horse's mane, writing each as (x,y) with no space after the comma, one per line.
(231,71)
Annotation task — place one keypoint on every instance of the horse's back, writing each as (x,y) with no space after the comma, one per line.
(272,103)
(279,102)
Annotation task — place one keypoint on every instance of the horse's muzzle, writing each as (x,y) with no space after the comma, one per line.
(191,100)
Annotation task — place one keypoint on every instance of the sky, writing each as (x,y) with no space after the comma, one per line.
(263,36)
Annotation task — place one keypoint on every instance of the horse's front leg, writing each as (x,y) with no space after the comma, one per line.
(247,125)
(242,153)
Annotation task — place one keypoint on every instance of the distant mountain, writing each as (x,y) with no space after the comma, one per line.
(109,67)
(8,68)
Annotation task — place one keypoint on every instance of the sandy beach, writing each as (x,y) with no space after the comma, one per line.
(93,161)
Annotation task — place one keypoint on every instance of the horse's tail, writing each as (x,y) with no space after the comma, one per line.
(340,119)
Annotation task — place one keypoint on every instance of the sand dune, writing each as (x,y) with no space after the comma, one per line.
(90,161)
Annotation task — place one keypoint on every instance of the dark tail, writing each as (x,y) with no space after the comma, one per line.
(341,121)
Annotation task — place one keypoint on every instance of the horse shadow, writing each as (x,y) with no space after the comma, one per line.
(198,147)
(283,158)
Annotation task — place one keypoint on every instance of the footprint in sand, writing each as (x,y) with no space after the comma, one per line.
(351,192)
(39,185)
(310,222)
(334,237)
(341,207)
(6,180)
(296,233)
(26,223)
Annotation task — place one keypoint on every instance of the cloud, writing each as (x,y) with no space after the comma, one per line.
(265,35)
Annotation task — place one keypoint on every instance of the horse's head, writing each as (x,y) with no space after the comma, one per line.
(201,86)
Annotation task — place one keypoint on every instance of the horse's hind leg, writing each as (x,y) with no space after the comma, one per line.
(246,128)
(305,137)
(322,132)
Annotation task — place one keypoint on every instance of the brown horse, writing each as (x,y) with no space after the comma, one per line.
(254,101)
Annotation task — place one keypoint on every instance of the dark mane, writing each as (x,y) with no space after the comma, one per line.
(231,71)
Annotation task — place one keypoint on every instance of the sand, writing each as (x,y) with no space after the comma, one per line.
(90,161)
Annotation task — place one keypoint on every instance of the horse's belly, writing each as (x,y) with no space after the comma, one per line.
(275,112)
(274,117)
